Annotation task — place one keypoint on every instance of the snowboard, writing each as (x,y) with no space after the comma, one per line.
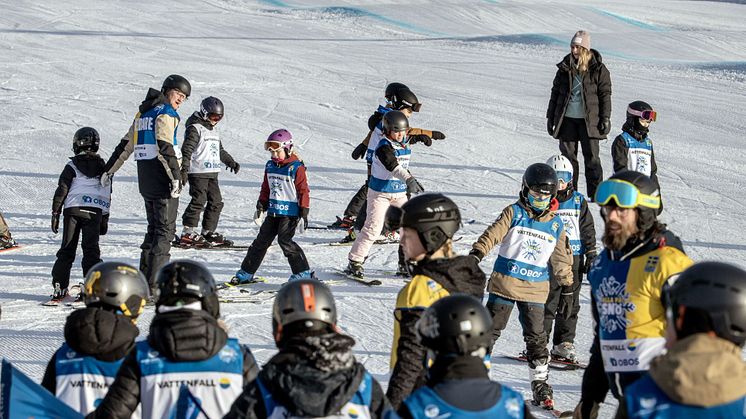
(8,249)
(554,363)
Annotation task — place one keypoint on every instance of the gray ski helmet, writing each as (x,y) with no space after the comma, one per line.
(434,216)
(304,300)
(539,177)
(86,139)
(211,106)
(175,81)
(646,216)
(401,96)
(117,286)
(395,121)
(184,281)
(715,289)
(457,324)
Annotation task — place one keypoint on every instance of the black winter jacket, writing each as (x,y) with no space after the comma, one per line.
(181,336)
(91,165)
(191,140)
(96,332)
(311,376)
(154,176)
(457,275)
(619,152)
(463,382)
(596,94)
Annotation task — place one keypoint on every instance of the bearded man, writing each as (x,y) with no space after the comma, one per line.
(626,281)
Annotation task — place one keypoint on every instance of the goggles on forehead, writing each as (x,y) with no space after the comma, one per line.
(646,115)
(625,194)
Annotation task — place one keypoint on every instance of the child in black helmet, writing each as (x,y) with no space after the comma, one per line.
(314,374)
(98,337)
(427,224)
(702,374)
(84,203)
(456,331)
(186,344)
(202,158)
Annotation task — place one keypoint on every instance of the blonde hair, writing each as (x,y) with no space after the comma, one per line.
(584,59)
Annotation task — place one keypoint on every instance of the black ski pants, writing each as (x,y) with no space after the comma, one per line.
(564,330)
(77,222)
(156,246)
(203,190)
(357,203)
(284,229)
(572,133)
(531,317)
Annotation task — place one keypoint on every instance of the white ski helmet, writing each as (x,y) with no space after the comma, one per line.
(560,163)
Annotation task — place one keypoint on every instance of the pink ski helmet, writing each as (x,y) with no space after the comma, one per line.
(279,138)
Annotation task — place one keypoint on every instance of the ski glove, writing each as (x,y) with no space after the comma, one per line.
(175,189)
(476,254)
(105,180)
(260,213)
(184,177)
(420,138)
(359,151)
(567,299)
(550,127)
(437,135)
(233,167)
(55,222)
(302,221)
(589,257)
(104,226)
(414,187)
(604,126)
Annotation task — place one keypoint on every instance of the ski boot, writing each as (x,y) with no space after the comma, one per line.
(350,237)
(190,238)
(59,295)
(355,269)
(344,223)
(242,277)
(215,239)
(388,237)
(543,394)
(6,242)
(564,352)
(308,274)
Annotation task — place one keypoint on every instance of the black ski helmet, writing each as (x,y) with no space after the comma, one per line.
(400,96)
(211,106)
(634,120)
(86,139)
(175,81)
(715,290)
(395,121)
(434,216)
(305,300)
(457,324)
(646,216)
(185,281)
(116,286)
(541,178)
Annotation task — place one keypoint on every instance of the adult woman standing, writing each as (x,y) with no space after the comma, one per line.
(579,109)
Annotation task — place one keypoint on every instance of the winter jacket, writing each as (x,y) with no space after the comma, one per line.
(96,332)
(626,289)
(701,372)
(619,152)
(513,288)
(586,226)
(596,94)
(154,176)
(313,376)
(191,141)
(431,281)
(91,165)
(463,383)
(180,336)
(301,184)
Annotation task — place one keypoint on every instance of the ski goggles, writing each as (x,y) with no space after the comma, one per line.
(646,115)
(625,194)
(272,146)
(565,177)
(214,117)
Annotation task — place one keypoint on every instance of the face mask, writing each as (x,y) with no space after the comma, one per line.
(539,204)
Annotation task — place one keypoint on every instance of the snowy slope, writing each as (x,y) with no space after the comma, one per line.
(482,68)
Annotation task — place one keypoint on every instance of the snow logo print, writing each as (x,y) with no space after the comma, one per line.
(613,305)
(276,187)
(531,249)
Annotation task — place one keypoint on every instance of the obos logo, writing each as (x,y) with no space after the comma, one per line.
(224,383)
